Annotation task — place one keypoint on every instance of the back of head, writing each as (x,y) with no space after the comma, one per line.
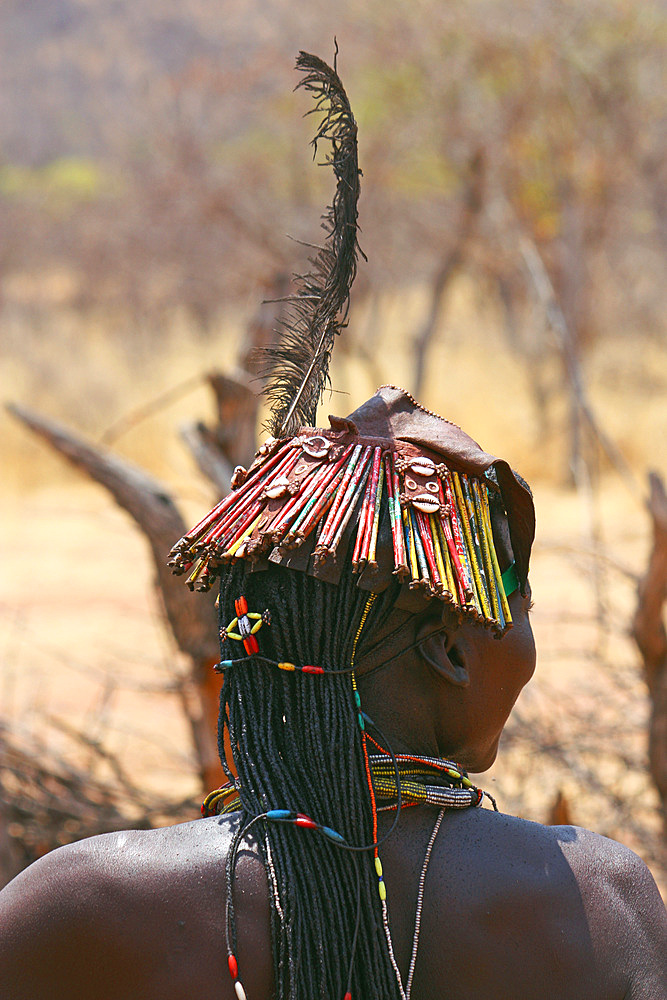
(322,539)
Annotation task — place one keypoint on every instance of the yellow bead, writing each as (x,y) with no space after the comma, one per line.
(382,889)
(287,666)
(378,867)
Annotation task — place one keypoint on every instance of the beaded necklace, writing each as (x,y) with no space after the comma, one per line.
(423,781)
(394,781)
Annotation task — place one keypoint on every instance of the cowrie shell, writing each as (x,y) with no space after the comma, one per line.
(423,466)
(278,487)
(316,447)
(432,487)
(425,503)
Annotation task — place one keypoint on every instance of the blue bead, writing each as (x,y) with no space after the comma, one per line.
(280,814)
(361,721)
(332,834)
(222,666)
(357,699)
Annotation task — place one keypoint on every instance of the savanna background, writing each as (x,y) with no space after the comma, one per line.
(153,162)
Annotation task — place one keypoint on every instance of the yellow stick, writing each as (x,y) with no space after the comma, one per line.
(494,559)
(237,544)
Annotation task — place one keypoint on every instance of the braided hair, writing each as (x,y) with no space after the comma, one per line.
(297,746)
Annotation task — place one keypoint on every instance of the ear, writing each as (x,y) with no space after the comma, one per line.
(438,648)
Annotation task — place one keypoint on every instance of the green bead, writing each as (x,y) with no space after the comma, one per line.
(357,699)
(362,724)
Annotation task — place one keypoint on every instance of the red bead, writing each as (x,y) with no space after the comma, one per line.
(241,606)
(309,669)
(305,821)
(348,996)
(251,645)
(233,967)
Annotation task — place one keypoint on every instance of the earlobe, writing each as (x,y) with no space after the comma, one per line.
(439,650)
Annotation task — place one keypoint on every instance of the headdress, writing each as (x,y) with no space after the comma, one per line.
(393,490)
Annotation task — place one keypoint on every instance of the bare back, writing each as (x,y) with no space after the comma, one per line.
(511,909)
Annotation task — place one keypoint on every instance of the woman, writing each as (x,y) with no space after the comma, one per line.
(374,624)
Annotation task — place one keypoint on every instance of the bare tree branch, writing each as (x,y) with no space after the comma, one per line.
(450,263)
(190,617)
(205,450)
(237,403)
(648,629)
(149,409)
(579,398)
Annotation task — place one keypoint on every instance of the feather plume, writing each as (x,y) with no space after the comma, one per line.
(296,369)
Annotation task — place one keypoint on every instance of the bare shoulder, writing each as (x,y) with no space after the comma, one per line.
(556,911)
(132,914)
(626,914)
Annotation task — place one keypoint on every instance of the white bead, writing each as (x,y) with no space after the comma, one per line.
(240,992)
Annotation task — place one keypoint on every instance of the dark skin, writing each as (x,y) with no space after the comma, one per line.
(512,909)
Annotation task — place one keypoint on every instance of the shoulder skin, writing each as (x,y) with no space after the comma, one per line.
(538,912)
(133,915)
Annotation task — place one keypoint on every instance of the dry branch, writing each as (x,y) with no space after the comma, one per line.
(211,461)
(237,405)
(190,618)
(648,629)
(580,405)
(130,420)
(47,801)
(232,441)
(452,260)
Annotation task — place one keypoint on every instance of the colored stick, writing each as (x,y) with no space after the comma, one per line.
(424,527)
(365,518)
(494,556)
(421,558)
(354,491)
(488,563)
(410,546)
(376,519)
(331,523)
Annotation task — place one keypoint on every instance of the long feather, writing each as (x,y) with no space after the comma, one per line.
(296,369)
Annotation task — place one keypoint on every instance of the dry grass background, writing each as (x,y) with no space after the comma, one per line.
(81,640)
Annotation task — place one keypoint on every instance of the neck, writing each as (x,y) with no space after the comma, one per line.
(402,725)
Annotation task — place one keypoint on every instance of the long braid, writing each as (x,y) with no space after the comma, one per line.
(297,746)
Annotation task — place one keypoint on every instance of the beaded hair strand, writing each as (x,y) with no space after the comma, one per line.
(297,746)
